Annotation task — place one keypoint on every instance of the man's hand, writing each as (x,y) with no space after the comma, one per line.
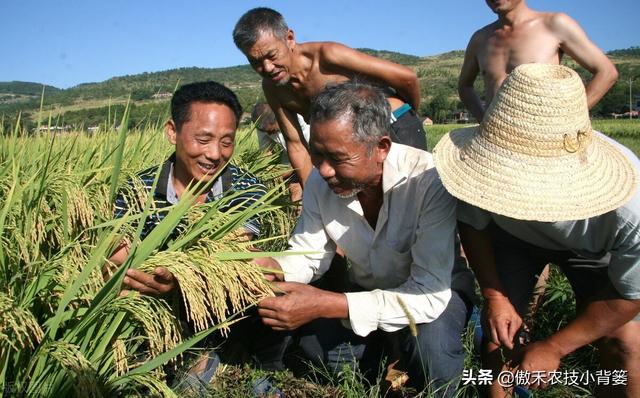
(160,282)
(271,264)
(502,320)
(300,304)
(542,356)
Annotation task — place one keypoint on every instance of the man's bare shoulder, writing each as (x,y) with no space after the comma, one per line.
(276,96)
(558,22)
(481,36)
(311,49)
(486,31)
(331,52)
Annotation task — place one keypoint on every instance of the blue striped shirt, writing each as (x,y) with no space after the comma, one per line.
(232,178)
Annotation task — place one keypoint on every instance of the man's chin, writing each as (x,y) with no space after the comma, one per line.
(282,81)
(208,176)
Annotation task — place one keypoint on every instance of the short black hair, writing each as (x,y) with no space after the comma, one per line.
(202,92)
(255,22)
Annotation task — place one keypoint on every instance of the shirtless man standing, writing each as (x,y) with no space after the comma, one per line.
(293,73)
(522,35)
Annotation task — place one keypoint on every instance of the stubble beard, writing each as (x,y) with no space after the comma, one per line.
(353,192)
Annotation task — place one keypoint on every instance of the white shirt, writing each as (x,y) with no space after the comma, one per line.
(616,232)
(409,256)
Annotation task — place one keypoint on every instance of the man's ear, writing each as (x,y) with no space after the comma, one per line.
(381,150)
(291,40)
(171,131)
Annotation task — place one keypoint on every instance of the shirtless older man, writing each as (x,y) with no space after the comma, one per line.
(522,35)
(293,73)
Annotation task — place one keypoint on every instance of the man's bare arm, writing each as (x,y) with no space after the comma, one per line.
(574,42)
(599,318)
(292,132)
(404,80)
(501,317)
(468,74)
(121,253)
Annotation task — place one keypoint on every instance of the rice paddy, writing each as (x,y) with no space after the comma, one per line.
(64,331)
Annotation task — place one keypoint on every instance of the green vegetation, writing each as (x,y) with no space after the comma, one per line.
(25,88)
(64,331)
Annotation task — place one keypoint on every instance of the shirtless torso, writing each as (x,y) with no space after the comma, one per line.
(296,96)
(293,73)
(521,35)
(504,47)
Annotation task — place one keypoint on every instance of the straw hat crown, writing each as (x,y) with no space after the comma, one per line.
(539,111)
(535,156)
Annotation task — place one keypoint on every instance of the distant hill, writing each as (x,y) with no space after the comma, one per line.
(393,56)
(24,88)
(89,103)
(627,52)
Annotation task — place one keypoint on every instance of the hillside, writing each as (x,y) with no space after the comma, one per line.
(92,103)
(24,88)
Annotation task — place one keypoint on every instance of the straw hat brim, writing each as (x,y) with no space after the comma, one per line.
(576,186)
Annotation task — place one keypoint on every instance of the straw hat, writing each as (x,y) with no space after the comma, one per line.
(535,156)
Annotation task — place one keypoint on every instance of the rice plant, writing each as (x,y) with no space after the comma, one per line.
(64,331)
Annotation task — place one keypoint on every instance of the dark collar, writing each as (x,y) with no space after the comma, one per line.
(163,179)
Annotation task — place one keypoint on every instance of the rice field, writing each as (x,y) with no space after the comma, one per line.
(64,331)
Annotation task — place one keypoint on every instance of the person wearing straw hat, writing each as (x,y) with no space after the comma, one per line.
(522,35)
(537,184)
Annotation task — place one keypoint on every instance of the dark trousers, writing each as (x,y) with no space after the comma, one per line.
(408,130)
(519,264)
(433,359)
(252,341)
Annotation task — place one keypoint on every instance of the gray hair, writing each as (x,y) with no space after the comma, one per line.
(364,105)
(256,22)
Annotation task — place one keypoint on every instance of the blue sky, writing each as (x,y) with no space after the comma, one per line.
(64,43)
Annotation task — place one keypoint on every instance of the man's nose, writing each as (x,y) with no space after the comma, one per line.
(212,152)
(267,66)
(325,169)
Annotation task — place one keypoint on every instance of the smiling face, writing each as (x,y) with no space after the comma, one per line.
(346,165)
(270,56)
(204,143)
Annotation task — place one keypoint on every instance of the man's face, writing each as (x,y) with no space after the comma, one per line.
(270,56)
(343,163)
(502,6)
(205,142)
